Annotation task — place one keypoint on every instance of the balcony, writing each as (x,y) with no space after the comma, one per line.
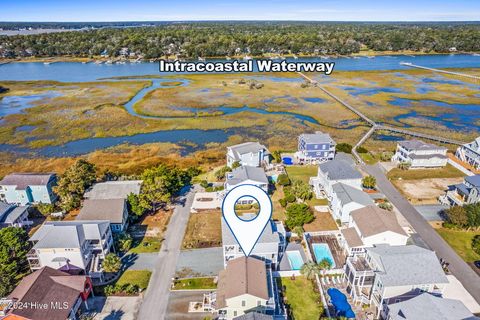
(359,264)
(32,254)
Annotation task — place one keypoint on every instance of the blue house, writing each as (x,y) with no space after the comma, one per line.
(26,188)
(315,148)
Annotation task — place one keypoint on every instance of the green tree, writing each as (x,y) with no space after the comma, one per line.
(112,263)
(302,190)
(134,206)
(369,182)
(220,173)
(236,164)
(73,183)
(298,214)
(14,247)
(344,147)
(457,215)
(299,231)
(45,209)
(361,149)
(204,184)
(473,215)
(476,244)
(310,270)
(283,180)
(325,264)
(123,242)
(277,156)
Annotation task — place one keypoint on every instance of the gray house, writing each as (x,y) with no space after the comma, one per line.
(427,307)
(464,193)
(470,153)
(25,188)
(13,216)
(420,154)
(113,210)
(315,148)
(246,175)
(251,154)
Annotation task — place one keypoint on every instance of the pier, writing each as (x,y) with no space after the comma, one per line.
(459,74)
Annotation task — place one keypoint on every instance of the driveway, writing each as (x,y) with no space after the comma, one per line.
(114,308)
(140,261)
(458,267)
(178,306)
(200,262)
(431,212)
(155,303)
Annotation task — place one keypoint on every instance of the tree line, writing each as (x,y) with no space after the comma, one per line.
(216,39)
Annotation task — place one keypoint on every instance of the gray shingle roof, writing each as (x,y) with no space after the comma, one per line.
(474,180)
(113,189)
(254,316)
(103,209)
(316,138)
(407,265)
(419,145)
(23,180)
(347,194)
(372,220)
(338,169)
(268,236)
(247,147)
(11,214)
(242,174)
(429,307)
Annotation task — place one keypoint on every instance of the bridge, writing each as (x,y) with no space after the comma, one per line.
(408,64)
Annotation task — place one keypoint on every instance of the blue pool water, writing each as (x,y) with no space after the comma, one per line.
(322,251)
(287,160)
(295,259)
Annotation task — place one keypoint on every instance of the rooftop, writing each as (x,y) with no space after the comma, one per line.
(419,145)
(372,220)
(113,189)
(269,234)
(247,147)
(407,265)
(103,209)
(317,138)
(429,307)
(242,276)
(347,194)
(45,286)
(245,173)
(339,169)
(473,180)
(10,213)
(23,180)
(352,237)
(254,316)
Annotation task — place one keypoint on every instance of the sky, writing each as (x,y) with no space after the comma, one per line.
(181,10)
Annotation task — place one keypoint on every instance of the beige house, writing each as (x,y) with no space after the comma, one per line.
(246,285)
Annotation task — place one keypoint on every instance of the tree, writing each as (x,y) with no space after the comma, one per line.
(361,149)
(112,263)
(204,184)
(344,147)
(457,215)
(236,164)
(369,182)
(283,180)
(473,215)
(325,264)
(123,242)
(299,231)
(14,247)
(298,214)
(220,173)
(73,183)
(134,206)
(277,156)
(302,190)
(476,244)
(45,209)
(310,270)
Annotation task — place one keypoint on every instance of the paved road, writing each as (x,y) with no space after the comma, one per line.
(459,268)
(155,303)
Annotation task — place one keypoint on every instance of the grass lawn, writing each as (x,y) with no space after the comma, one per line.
(204,230)
(461,242)
(146,245)
(417,174)
(194,283)
(317,202)
(303,301)
(138,277)
(368,158)
(278,210)
(323,222)
(301,172)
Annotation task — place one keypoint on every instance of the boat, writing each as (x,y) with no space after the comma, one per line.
(98,62)
(247,57)
(295,57)
(46,63)
(109,62)
(476,54)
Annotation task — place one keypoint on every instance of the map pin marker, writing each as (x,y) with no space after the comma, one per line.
(247,232)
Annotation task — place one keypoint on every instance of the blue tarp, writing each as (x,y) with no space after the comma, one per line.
(339,301)
(287,160)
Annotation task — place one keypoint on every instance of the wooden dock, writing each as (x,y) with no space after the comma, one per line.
(458,74)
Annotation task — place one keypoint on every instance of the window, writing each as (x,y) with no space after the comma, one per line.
(259,303)
(234,313)
(244,303)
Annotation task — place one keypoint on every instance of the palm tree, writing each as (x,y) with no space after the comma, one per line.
(369,182)
(310,270)
(325,264)
(112,263)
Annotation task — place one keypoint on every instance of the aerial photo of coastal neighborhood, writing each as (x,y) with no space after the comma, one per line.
(239,160)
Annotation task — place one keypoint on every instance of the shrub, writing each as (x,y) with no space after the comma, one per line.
(369,182)
(283,202)
(283,180)
(220,173)
(290,198)
(476,244)
(386,206)
(361,149)
(344,147)
(298,214)
(45,209)
(204,184)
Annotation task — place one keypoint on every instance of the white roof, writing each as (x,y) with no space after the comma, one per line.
(113,189)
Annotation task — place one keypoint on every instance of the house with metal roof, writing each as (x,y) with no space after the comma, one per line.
(245,286)
(26,188)
(427,307)
(251,154)
(315,148)
(71,246)
(47,294)
(13,216)
(246,175)
(332,172)
(113,210)
(113,189)
(269,247)
(420,154)
(371,226)
(470,153)
(467,192)
(387,274)
(345,199)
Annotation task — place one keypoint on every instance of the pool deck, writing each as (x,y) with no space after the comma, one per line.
(291,246)
(335,248)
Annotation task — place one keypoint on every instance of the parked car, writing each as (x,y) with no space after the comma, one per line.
(477,264)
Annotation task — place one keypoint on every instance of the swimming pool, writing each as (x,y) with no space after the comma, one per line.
(322,251)
(295,259)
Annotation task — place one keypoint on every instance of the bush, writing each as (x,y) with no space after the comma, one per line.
(283,202)
(298,214)
(204,184)
(362,150)
(344,147)
(290,198)
(220,174)
(123,242)
(386,206)
(476,244)
(45,209)
(283,180)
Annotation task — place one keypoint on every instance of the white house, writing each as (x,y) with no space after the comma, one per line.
(387,274)
(71,245)
(371,226)
(25,188)
(467,192)
(420,154)
(470,153)
(251,154)
(246,285)
(345,199)
(114,189)
(427,307)
(332,172)
(246,175)
(13,216)
(269,247)
(113,210)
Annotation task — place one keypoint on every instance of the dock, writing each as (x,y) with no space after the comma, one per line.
(458,74)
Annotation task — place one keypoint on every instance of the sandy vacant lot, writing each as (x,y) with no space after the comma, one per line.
(425,191)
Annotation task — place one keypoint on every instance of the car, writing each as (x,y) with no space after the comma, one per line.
(477,264)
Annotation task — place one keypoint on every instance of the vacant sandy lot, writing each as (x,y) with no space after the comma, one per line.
(425,191)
